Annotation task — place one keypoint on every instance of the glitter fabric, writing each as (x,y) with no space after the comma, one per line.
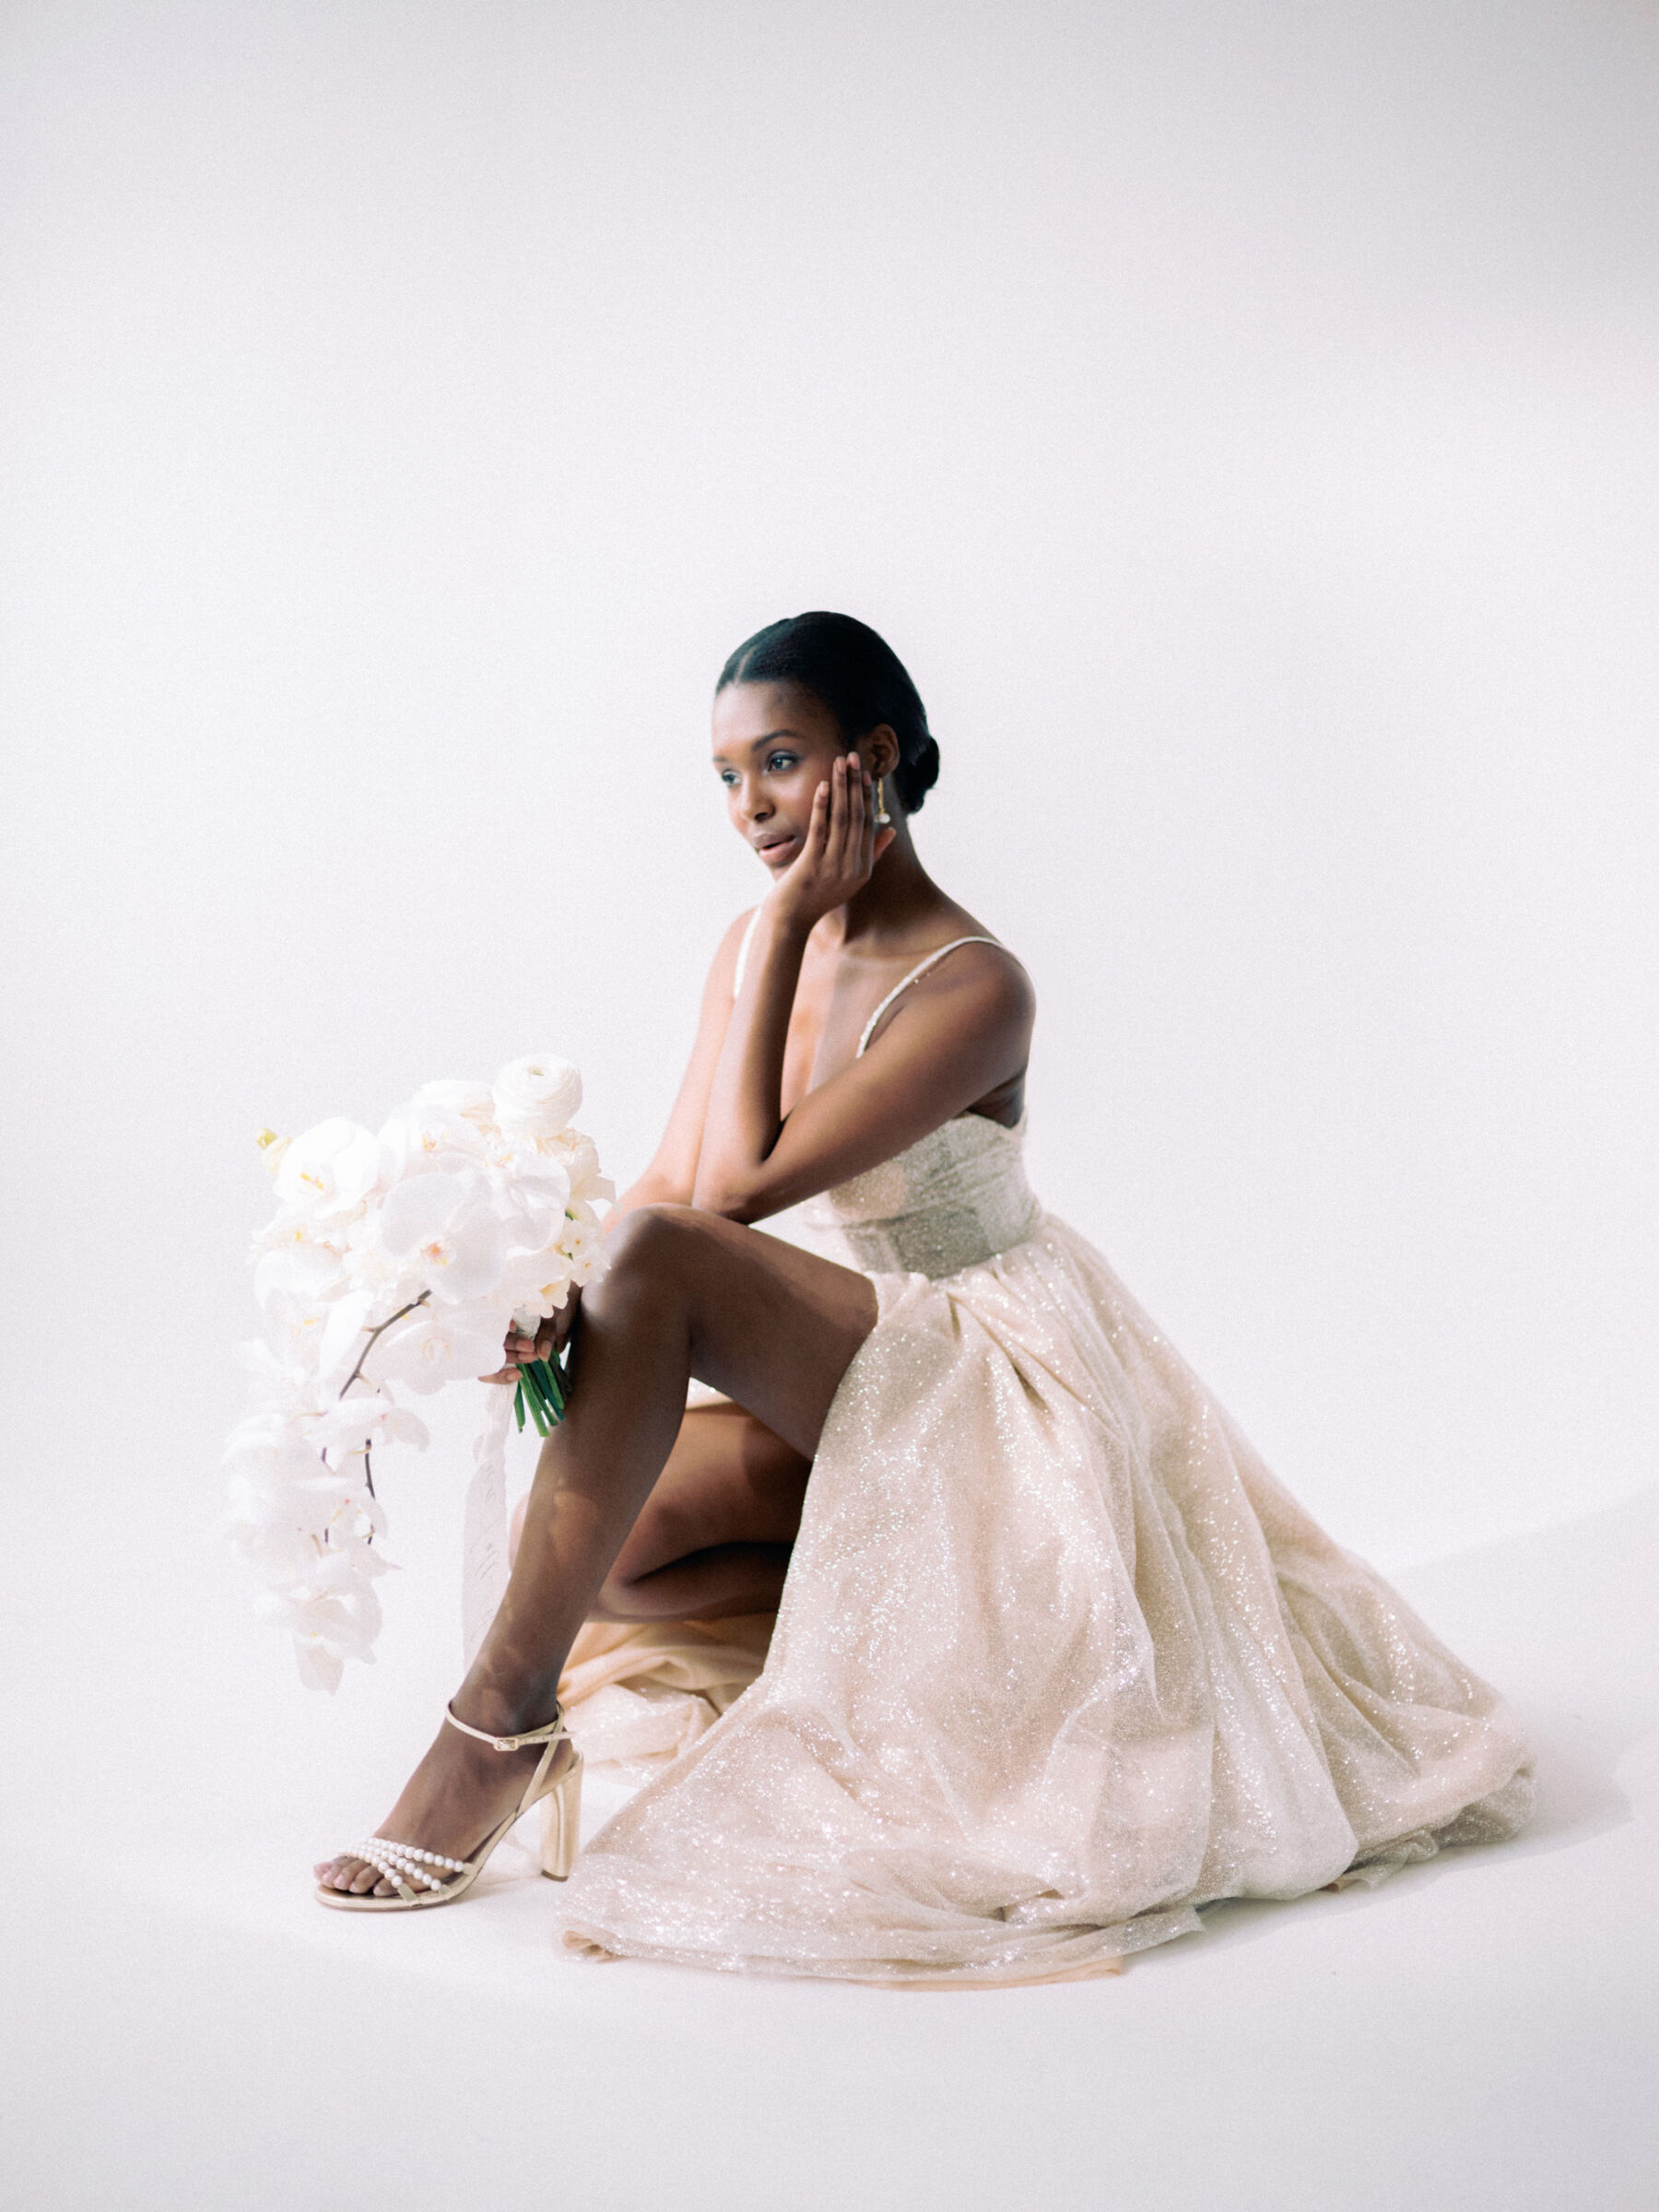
(1057,1662)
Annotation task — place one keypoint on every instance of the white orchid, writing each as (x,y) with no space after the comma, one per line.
(298,1266)
(283,1386)
(370,1267)
(580,1243)
(450,1233)
(538,1284)
(345,1339)
(534,1195)
(278,1474)
(328,1172)
(461,1100)
(364,1424)
(339,1620)
(421,1139)
(395,1261)
(441,1343)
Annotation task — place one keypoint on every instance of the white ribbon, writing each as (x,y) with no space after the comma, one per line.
(483,1532)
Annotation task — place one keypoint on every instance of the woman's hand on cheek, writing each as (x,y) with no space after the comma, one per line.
(841,847)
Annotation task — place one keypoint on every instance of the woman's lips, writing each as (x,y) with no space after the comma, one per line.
(785,849)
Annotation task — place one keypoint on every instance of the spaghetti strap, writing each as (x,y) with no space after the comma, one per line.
(904,982)
(743,953)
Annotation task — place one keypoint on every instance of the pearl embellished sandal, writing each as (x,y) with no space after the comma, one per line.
(427,1878)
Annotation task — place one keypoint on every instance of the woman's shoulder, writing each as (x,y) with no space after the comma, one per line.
(724,977)
(964,950)
(966,975)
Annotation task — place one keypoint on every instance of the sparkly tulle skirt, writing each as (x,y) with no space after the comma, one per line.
(1057,1663)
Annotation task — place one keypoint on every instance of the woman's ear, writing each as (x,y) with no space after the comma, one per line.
(884,750)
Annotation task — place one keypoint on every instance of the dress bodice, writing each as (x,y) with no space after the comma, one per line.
(956,1197)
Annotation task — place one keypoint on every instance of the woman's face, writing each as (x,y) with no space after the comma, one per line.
(774,743)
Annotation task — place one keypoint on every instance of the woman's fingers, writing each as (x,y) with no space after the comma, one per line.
(836,843)
(851,858)
(850,810)
(817,828)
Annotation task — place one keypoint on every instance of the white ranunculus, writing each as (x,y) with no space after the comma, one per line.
(442,1344)
(536,1097)
(328,1172)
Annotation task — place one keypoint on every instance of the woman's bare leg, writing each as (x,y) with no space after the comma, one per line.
(714,1536)
(685,1293)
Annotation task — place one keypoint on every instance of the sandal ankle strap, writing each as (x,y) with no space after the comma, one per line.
(547,1733)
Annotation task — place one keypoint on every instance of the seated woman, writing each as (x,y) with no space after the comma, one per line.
(1056,1660)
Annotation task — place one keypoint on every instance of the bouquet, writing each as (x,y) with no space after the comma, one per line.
(396,1262)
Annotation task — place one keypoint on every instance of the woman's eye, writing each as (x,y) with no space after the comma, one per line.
(781,761)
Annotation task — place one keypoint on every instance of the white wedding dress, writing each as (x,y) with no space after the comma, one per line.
(1057,1662)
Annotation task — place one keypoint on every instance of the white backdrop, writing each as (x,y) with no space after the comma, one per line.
(1241,420)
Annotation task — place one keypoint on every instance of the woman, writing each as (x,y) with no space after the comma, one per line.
(1056,1661)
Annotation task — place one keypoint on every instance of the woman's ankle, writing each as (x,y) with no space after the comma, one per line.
(505,1706)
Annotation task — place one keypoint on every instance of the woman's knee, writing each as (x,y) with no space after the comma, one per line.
(647,1245)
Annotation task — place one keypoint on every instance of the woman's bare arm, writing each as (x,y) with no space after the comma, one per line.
(671,1177)
(950,1043)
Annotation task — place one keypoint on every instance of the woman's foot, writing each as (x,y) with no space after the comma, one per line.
(455,1799)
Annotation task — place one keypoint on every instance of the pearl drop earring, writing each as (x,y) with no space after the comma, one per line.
(883,818)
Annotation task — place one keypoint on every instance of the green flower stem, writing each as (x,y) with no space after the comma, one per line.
(552,1389)
(543,1391)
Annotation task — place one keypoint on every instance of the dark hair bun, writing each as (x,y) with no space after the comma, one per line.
(916,778)
(857,675)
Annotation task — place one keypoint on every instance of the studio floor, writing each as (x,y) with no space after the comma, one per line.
(184,2027)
